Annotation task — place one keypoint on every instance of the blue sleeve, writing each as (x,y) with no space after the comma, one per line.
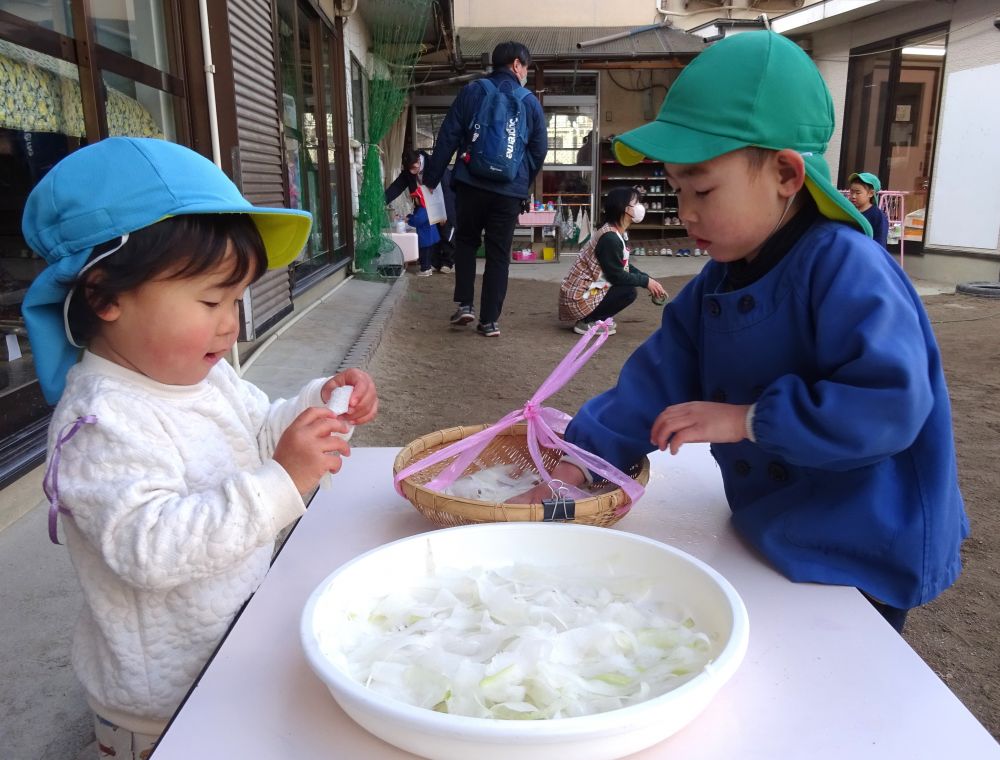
(451,135)
(538,142)
(616,425)
(871,393)
(881,235)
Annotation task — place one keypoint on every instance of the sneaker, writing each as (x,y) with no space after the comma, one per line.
(446,270)
(581,327)
(463,315)
(425,273)
(489,329)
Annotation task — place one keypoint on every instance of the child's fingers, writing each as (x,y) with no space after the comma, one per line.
(335,463)
(318,422)
(364,414)
(334,448)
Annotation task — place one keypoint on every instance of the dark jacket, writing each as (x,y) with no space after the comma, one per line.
(407,183)
(455,134)
(610,254)
(880,224)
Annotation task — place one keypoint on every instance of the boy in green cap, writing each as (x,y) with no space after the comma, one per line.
(863,190)
(801,351)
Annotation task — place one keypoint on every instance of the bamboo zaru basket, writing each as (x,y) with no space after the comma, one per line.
(529,438)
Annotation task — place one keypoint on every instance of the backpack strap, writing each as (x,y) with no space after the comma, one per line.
(489,88)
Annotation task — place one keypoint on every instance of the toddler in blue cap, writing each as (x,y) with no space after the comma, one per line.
(801,351)
(173,475)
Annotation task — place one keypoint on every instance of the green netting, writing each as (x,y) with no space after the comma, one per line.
(396,45)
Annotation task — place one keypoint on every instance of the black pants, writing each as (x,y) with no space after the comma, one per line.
(478,211)
(617,298)
(444,254)
(426,254)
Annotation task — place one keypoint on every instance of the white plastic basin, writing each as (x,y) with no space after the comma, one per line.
(679,579)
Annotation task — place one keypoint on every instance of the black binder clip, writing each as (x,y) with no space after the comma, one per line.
(560,508)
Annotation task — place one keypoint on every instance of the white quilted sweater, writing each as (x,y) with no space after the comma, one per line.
(175,505)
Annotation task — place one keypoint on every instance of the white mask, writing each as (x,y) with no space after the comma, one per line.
(523,79)
(638,213)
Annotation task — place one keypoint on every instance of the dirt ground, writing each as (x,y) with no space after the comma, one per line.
(431,376)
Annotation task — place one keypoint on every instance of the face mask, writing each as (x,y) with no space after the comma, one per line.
(523,79)
(638,213)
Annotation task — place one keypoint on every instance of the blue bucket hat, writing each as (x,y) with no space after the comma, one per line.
(106,191)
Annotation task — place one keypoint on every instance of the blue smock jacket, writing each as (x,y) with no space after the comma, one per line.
(455,135)
(852,479)
(427,233)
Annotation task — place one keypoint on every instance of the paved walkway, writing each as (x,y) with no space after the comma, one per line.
(44,715)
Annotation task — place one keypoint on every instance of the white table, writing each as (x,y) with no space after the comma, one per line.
(824,678)
(408,244)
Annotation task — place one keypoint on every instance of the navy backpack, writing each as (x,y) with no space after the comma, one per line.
(499,133)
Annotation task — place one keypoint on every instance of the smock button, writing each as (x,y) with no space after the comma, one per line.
(746,304)
(742,467)
(714,307)
(777,471)
(757,391)
(718,396)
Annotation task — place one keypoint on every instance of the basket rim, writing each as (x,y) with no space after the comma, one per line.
(433,440)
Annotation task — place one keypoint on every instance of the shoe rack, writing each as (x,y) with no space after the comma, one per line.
(660,230)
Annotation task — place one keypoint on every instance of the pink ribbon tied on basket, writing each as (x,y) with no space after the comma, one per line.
(545,426)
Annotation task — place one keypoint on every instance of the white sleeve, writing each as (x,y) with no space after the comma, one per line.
(123,480)
(270,418)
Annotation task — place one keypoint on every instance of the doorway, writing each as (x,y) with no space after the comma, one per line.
(891,121)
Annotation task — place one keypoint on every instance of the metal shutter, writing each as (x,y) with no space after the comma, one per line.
(258,163)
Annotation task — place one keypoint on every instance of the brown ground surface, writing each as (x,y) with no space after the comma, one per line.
(431,376)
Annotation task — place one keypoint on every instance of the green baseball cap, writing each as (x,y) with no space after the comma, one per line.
(753,89)
(867,178)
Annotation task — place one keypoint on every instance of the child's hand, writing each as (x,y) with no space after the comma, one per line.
(699,422)
(364,401)
(656,288)
(308,451)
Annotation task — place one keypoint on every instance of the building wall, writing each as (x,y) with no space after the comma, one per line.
(555,13)
(357,42)
(621,107)
(966,185)
(973,43)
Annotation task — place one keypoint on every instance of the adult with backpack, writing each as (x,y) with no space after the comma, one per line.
(498,129)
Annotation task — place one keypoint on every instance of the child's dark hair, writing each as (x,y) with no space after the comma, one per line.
(617,200)
(175,248)
(410,157)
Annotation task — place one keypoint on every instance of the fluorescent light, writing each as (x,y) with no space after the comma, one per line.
(817,12)
(930,50)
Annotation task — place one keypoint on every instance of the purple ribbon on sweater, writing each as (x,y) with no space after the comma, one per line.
(50,483)
(545,426)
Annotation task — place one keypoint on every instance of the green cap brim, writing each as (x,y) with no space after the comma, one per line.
(829,200)
(670,143)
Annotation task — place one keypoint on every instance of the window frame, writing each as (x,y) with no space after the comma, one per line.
(22,446)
